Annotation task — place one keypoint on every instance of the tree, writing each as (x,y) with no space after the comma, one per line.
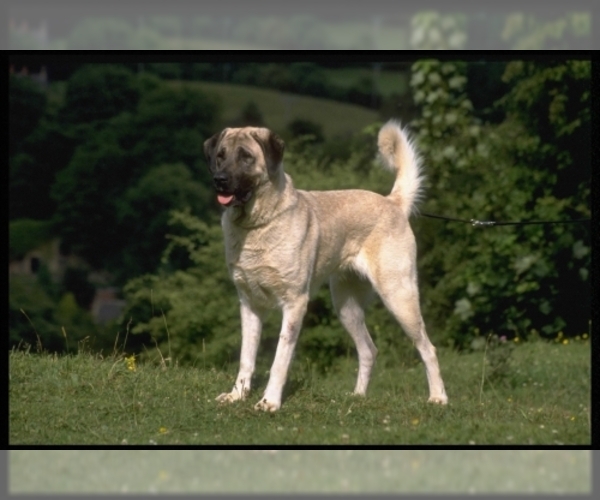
(95,219)
(98,92)
(46,151)
(26,105)
(143,213)
(85,216)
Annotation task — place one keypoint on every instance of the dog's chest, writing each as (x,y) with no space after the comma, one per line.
(255,271)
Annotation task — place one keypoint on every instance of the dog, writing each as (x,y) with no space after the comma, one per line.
(283,243)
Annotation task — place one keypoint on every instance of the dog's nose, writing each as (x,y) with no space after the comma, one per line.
(220,179)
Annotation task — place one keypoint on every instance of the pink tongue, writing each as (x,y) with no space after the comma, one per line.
(224,199)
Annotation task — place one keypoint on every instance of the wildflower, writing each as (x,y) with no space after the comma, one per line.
(130,362)
(584,336)
(163,430)
(565,342)
(415,421)
(516,339)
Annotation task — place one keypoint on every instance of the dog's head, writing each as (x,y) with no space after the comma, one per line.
(242,159)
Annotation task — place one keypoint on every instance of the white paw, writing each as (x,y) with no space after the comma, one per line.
(266,405)
(229,397)
(440,400)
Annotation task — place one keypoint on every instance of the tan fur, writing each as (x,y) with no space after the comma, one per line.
(282,244)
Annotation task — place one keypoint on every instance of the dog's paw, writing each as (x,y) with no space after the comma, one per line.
(266,405)
(228,397)
(440,400)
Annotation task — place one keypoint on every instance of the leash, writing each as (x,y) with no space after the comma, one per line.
(488,223)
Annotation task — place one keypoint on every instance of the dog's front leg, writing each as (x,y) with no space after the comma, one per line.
(293,314)
(251,329)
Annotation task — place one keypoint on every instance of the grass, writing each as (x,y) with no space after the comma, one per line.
(280,108)
(85,399)
(293,471)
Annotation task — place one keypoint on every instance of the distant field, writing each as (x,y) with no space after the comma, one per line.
(279,108)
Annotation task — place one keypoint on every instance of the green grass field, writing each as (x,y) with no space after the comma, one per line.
(83,399)
(298,471)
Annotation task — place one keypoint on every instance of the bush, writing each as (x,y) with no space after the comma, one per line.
(301,127)
(37,319)
(251,116)
(505,280)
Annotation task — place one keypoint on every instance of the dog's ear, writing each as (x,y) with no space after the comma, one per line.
(210,146)
(272,146)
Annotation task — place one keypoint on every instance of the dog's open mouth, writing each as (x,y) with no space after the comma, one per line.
(225,199)
(228,199)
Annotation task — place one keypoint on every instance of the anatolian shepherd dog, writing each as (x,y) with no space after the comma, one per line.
(282,243)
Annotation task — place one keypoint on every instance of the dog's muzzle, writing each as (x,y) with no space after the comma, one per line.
(227,195)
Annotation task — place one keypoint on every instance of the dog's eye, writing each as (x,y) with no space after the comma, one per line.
(245,157)
(220,157)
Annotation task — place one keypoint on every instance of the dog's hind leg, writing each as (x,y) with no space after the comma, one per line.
(350,295)
(395,280)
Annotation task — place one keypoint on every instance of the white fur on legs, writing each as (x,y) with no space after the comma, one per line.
(251,330)
(293,314)
(350,295)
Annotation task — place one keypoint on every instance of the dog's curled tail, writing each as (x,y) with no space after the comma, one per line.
(399,155)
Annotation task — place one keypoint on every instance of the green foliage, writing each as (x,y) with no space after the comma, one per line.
(75,282)
(46,151)
(143,212)
(168,71)
(504,280)
(37,317)
(100,91)
(85,215)
(251,116)
(300,127)
(191,312)
(26,106)
(527,32)
(118,220)
(432,30)
(25,235)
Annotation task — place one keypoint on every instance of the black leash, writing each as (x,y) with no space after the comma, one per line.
(486,223)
